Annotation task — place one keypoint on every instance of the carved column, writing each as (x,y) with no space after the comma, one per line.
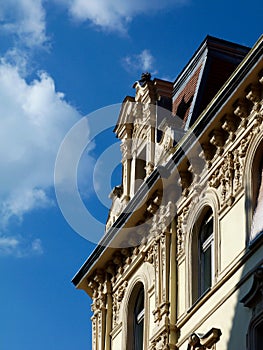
(108,329)
(99,311)
(117,299)
(164,264)
(126,163)
(132,174)
(173,338)
(94,286)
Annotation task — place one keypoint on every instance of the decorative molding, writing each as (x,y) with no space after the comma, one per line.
(208,152)
(161,342)
(223,178)
(241,110)
(181,230)
(217,139)
(253,94)
(117,299)
(230,124)
(186,178)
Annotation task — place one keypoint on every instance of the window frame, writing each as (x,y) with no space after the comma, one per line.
(196,264)
(135,320)
(254,333)
(257,200)
(204,246)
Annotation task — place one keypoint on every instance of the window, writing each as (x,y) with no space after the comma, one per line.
(135,336)
(206,248)
(257,334)
(253,300)
(202,264)
(257,221)
(138,321)
(140,169)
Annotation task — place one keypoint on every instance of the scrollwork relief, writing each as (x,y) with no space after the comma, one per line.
(117,299)
(181,222)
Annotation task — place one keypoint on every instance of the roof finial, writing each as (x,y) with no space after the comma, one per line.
(145,77)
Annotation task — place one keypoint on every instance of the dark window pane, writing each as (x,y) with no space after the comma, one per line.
(259,337)
(138,321)
(205,253)
(206,270)
(207,228)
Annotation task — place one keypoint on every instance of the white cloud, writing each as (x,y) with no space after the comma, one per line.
(34,119)
(36,246)
(114,15)
(23,200)
(142,62)
(19,247)
(25,19)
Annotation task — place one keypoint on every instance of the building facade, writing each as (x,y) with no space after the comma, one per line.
(180,265)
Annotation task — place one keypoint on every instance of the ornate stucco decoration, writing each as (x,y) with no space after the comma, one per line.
(161,342)
(144,88)
(117,299)
(181,230)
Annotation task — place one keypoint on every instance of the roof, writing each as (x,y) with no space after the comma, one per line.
(208,69)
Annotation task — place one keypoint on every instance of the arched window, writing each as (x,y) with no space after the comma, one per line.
(135,338)
(255,335)
(203,254)
(206,253)
(253,301)
(138,321)
(257,197)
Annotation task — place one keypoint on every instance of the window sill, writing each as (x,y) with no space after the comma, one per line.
(199,299)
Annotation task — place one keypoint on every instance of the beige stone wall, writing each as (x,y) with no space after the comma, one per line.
(232,235)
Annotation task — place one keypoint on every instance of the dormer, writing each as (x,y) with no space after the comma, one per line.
(209,68)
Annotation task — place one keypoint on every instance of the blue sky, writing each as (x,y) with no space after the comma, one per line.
(59,61)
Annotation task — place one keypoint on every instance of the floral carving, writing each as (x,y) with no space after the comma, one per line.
(161,342)
(181,221)
(227,178)
(117,298)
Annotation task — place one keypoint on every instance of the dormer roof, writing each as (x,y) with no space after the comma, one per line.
(209,68)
